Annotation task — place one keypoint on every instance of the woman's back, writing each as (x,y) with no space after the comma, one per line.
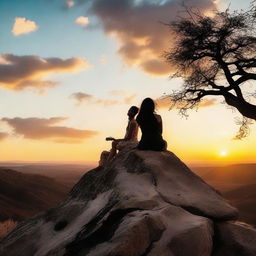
(151,128)
(151,125)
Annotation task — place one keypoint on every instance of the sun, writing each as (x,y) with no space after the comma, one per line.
(223,153)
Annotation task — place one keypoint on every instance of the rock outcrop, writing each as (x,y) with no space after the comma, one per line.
(143,203)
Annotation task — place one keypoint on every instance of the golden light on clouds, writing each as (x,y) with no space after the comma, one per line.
(23,26)
(82,21)
(30,71)
(46,128)
(139,29)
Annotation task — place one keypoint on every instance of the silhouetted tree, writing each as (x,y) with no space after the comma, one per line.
(215,56)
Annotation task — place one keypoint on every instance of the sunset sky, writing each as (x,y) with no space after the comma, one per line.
(70,70)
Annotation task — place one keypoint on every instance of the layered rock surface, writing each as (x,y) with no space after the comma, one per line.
(143,203)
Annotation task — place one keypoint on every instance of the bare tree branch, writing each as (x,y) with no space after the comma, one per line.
(215,56)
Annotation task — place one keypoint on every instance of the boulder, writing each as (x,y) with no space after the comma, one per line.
(235,239)
(142,203)
(167,229)
(177,184)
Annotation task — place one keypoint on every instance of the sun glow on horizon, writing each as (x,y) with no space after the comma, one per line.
(223,153)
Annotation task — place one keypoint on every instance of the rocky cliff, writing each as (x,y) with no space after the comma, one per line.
(143,203)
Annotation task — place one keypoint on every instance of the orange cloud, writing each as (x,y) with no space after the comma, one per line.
(3,135)
(207,103)
(43,128)
(156,67)
(20,72)
(82,21)
(166,103)
(23,26)
(139,30)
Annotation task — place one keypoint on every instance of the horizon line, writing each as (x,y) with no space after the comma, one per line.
(190,163)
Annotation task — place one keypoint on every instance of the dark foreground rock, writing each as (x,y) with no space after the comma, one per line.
(235,239)
(143,203)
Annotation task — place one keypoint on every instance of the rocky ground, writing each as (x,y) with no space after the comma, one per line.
(143,203)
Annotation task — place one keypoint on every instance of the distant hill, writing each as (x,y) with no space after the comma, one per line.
(24,195)
(244,198)
(237,174)
(237,183)
(67,174)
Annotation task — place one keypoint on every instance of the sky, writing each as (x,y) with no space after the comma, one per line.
(70,70)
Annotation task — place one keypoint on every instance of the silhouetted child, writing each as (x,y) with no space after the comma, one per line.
(130,139)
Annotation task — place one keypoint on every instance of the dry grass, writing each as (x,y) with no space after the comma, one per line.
(6,227)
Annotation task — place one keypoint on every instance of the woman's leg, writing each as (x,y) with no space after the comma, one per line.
(104,158)
(112,151)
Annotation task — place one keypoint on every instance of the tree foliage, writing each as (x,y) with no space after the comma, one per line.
(215,56)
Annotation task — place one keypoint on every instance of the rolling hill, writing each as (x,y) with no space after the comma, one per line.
(24,195)
(237,183)
(244,199)
(231,174)
(67,174)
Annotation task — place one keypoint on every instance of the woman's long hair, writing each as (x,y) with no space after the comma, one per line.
(146,117)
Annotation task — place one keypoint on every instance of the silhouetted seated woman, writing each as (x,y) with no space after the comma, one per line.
(151,127)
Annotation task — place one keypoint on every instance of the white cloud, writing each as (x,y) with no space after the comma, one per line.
(82,21)
(23,26)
